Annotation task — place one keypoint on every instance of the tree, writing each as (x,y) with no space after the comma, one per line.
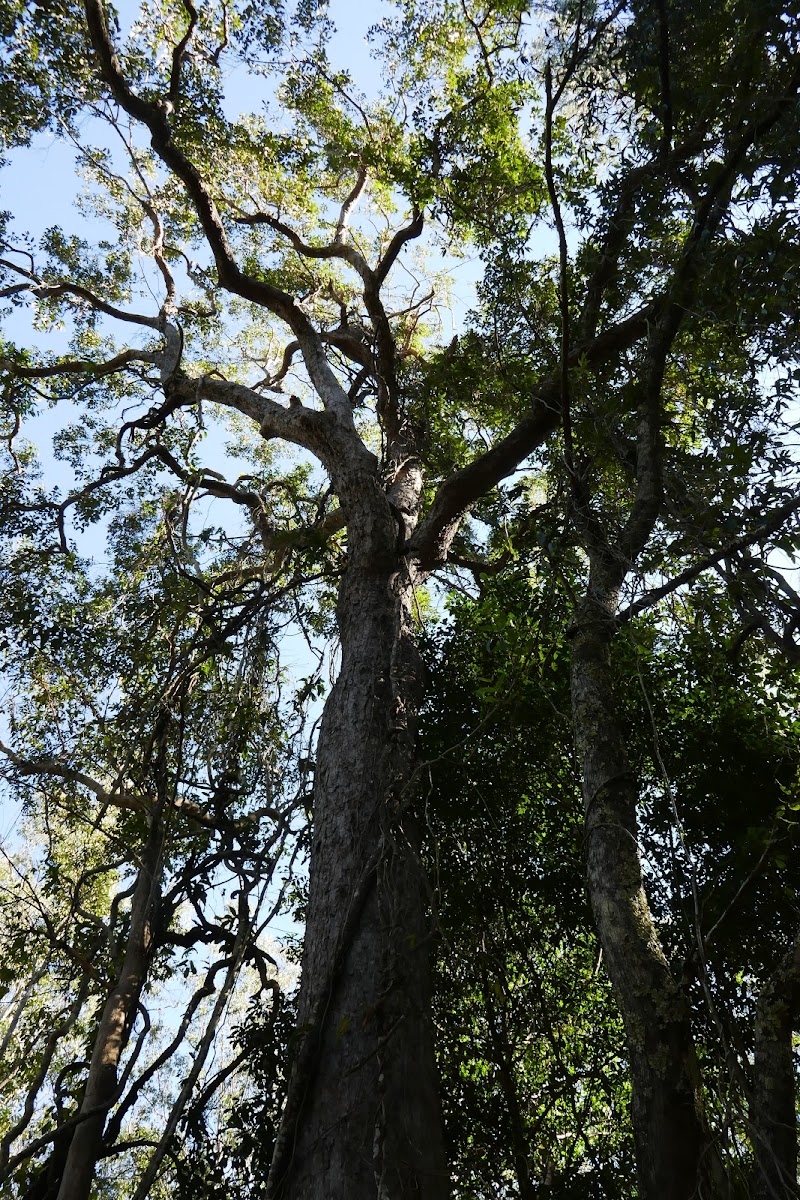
(536,1091)
(118,888)
(534,1084)
(627,371)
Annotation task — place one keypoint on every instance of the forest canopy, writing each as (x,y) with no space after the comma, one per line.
(400,747)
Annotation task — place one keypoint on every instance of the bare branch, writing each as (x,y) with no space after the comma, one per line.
(240,949)
(406,234)
(563,269)
(56,769)
(117,797)
(223,42)
(81,366)
(231,277)
(350,203)
(43,290)
(431,541)
(7,1164)
(334,249)
(771,524)
(385,364)
(664,74)
(179,54)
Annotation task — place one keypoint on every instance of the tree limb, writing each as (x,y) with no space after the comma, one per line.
(155,118)
(461,490)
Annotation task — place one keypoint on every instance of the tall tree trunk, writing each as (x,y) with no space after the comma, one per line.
(667,1118)
(362,1117)
(774,1102)
(115,1024)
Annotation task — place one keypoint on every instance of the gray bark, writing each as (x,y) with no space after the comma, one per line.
(666,1110)
(362,1117)
(115,1024)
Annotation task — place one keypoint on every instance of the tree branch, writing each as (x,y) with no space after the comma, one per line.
(432,539)
(384,367)
(769,525)
(563,271)
(155,118)
(82,366)
(400,238)
(43,290)
(350,202)
(117,797)
(179,54)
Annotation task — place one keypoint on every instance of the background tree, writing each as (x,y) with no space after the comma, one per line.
(160,826)
(635,366)
(536,1085)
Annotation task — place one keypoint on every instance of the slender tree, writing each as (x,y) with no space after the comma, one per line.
(150,785)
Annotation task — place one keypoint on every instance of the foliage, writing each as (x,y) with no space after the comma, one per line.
(534,1081)
(534,1078)
(252,423)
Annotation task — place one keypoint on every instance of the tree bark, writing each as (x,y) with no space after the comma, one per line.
(362,1117)
(667,1118)
(115,1024)
(774,1103)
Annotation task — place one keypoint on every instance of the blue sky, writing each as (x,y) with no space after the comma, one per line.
(40,185)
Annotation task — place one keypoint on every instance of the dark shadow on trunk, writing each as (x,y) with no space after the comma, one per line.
(362,1116)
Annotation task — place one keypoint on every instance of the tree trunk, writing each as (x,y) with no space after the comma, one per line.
(667,1118)
(362,1116)
(115,1024)
(774,1104)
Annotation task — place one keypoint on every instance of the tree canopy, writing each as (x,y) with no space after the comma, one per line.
(401,748)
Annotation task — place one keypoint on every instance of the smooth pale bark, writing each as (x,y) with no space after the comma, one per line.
(774,1103)
(671,1146)
(362,1117)
(115,1025)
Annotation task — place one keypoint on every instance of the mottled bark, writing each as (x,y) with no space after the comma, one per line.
(362,1117)
(115,1025)
(667,1119)
(774,1101)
